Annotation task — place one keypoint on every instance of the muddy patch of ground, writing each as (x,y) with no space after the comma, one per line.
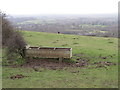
(103,64)
(18,76)
(46,63)
(81,62)
(55,64)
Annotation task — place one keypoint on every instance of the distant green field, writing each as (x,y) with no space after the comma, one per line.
(31,22)
(84,47)
(37,21)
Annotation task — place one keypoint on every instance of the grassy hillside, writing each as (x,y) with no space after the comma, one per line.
(85,46)
(92,49)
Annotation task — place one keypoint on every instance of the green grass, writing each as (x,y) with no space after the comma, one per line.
(86,78)
(84,47)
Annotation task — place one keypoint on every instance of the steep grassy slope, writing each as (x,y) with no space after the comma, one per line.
(94,49)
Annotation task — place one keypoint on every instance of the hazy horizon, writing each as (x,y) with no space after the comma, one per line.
(66,15)
(58,7)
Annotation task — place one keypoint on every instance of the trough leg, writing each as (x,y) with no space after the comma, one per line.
(60,60)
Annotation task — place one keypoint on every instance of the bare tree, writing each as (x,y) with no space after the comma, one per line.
(11,38)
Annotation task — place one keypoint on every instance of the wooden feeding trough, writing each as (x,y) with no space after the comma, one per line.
(49,52)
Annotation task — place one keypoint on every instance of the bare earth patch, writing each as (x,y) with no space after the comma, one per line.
(54,64)
(46,63)
(18,76)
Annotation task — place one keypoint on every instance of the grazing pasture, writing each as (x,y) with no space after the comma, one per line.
(94,63)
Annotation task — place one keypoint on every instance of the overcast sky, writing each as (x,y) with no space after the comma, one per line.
(26,7)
